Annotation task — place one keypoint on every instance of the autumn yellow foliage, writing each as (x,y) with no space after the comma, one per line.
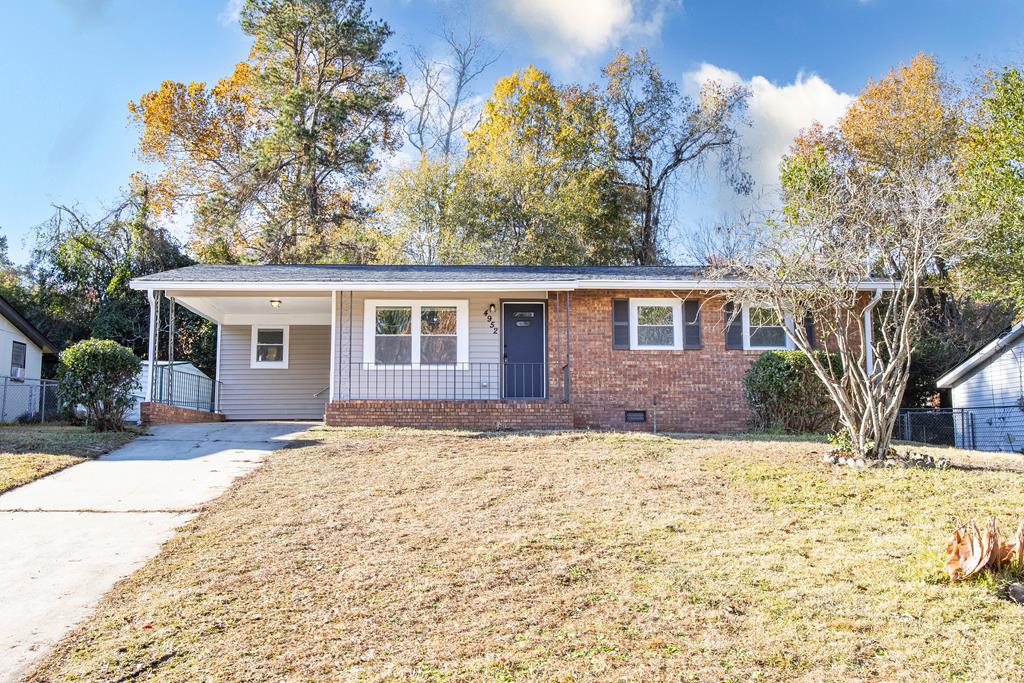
(186,125)
(906,117)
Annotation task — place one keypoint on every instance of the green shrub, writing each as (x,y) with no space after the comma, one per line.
(99,375)
(784,394)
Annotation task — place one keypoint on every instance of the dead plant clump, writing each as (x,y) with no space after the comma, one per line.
(974,550)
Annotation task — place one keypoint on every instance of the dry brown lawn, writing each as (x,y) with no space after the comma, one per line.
(387,555)
(28,452)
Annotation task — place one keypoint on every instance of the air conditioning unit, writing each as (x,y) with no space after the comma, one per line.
(18,374)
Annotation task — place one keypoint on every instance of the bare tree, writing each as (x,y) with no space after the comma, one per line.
(420,203)
(847,233)
(658,132)
(719,243)
(441,92)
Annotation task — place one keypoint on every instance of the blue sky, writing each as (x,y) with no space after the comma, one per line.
(69,67)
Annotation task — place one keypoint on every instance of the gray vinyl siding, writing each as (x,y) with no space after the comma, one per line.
(991,392)
(481,379)
(268,394)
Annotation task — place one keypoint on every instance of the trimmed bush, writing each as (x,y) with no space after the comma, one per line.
(784,394)
(99,375)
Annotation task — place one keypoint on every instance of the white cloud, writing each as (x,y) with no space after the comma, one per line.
(231,13)
(567,30)
(777,113)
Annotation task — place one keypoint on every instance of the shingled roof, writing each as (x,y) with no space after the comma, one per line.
(329,273)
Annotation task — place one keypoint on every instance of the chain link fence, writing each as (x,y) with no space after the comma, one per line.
(28,400)
(989,428)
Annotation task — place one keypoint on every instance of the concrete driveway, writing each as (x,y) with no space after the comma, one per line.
(67,538)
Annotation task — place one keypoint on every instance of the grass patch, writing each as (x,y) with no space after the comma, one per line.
(28,452)
(384,555)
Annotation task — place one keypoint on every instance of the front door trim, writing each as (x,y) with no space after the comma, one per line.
(501,346)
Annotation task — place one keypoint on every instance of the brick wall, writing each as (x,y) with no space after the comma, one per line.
(451,414)
(161,413)
(697,390)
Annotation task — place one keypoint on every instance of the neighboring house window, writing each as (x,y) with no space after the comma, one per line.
(19,352)
(655,324)
(416,333)
(763,329)
(269,346)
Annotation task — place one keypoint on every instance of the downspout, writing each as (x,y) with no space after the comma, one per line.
(869,331)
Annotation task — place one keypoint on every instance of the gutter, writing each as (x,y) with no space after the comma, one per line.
(460,286)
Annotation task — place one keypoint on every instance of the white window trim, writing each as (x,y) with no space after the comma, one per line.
(677,323)
(370,306)
(267,365)
(787,325)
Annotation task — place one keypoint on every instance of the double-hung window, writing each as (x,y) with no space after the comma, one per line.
(763,329)
(269,347)
(19,354)
(392,340)
(655,324)
(439,338)
(415,333)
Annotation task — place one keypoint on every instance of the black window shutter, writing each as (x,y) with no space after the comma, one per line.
(809,329)
(691,325)
(620,323)
(733,327)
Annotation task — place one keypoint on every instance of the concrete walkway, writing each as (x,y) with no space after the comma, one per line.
(67,538)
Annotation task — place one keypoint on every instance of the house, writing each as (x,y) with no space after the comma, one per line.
(473,346)
(987,393)
(193,388)
(22,348)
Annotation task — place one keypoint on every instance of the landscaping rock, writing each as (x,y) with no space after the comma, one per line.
(1016,593)
(911,459)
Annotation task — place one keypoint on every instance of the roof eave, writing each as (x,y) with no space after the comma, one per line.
(26,328)
(452,286)
(953,377)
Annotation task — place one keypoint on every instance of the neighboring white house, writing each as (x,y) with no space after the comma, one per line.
(988,395)
(192,388)
(22,348)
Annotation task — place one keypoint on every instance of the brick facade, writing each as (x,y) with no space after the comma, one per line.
(697,390)
(428,414)
(161,413)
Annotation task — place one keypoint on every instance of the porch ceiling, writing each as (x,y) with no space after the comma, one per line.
(227,308)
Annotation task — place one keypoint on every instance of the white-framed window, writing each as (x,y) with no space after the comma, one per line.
(269,347)
(655,324)
(415,334)
(19,354)
(763,330)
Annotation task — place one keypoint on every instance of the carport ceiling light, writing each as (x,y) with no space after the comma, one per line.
(276,303)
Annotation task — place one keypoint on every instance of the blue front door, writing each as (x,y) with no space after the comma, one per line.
(524,354)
